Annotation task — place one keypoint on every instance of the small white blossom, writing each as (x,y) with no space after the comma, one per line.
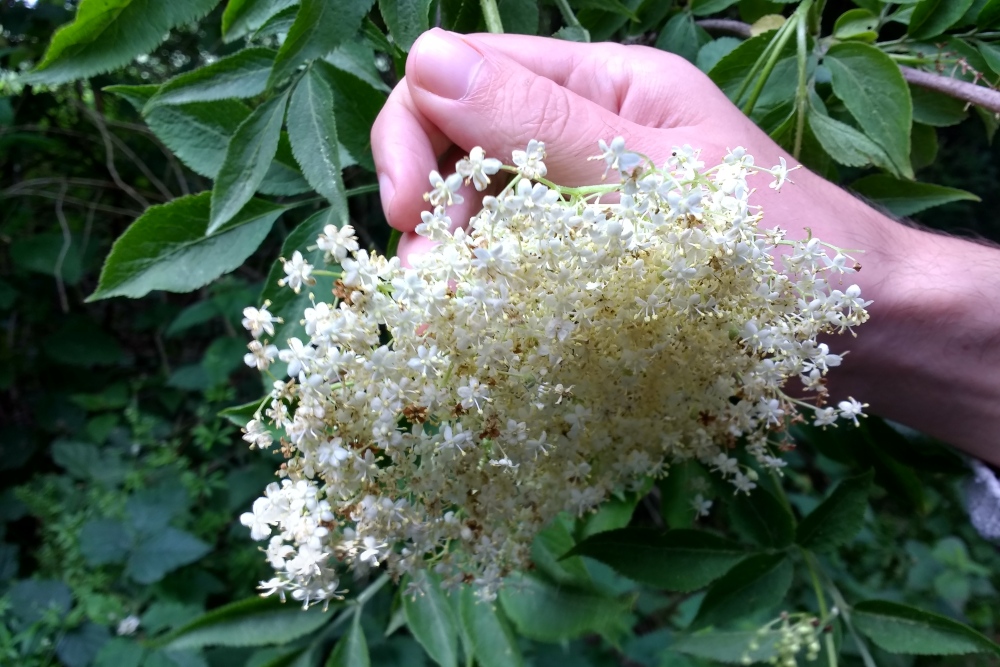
(259,321)
(444,191)
(298,272)
(478,168)
(336,243)
(529,162)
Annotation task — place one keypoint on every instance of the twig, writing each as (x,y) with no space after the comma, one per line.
(109,154)
(63,251)
(732,26)
(981,96)
(143,167)
(73,200)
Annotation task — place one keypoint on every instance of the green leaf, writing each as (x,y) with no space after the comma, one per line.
(430,619)
(572,33)
(199,133)
(320,27)
(107,34)
(493,642)
(706,7)
(104,541)
(991,54)
(989,15)
(163,552)
(762,519)
(839,517)
(253,622)
(357,58)
(729,647)
(899,628)
(352,649)
(710,54)
(168,248)
(924,146)
(845,144)
(550,613)
(312,130)
(279,24)
(682,36)
(245,16)
(406,19)
(758,583)
(120,652)
(677,560)
(519,17)
(874,91)
(79,646)
(729,73)
(356,104)
(904,198)
(549,554)
(936,109)
(856,24)
(243,74)
(932,17)
(248,157)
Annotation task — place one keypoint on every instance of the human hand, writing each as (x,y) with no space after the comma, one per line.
(931,333)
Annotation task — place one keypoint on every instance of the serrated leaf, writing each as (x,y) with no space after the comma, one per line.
(899,628)
(493,642)
(120,652)
(199,133)
(839,517)
(253,622)
(519,17)
(757,583)
(152,558)
(730,72)
(244,16)
(923,146)
(30,599)
(106,34)
(279,24)
(874,91)
(247,159)
(168,247)
(241,75)
(351,649)
(406,19)
(312,130)
(549,554)
(104,541)
(430,620)
(356,104)
(762,519)
(846,145)
(79,646)
(905,198)
(856,24)
(357,58)
(930,18)
(677,560)
(550,613)
(320,27)
(991,54)
(681,35)
(729,647)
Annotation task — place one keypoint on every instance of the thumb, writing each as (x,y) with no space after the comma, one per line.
(477,96)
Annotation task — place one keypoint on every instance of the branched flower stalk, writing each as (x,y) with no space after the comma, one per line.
(565,344)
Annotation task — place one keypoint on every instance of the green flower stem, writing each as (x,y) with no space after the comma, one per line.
(491,13)
(759,63)
(779,44)
(567,13)
(802,92)
(328,274)
(821,601)
(369,592)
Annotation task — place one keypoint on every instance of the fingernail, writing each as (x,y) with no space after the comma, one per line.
(446,65)
(386,191)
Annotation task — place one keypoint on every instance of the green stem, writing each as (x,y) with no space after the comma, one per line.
(802,92)
(821,601)
(780,40)
(373,588)
(758,64)
(567,13)
(491,13)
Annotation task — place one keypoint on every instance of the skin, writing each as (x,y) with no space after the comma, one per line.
(930,355)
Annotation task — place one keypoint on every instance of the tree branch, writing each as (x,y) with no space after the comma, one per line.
(981,96)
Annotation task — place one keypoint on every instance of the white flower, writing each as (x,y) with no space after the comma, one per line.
(529,162)
(444,191)
(336,243)
(780,173)
(851,409)
(617,157)
(127,626)
(478,168)
(259,321)
(297,272)
(260,356)
(700,505)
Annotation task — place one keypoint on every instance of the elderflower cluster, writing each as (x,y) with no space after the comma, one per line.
(787,636)
(565,344)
